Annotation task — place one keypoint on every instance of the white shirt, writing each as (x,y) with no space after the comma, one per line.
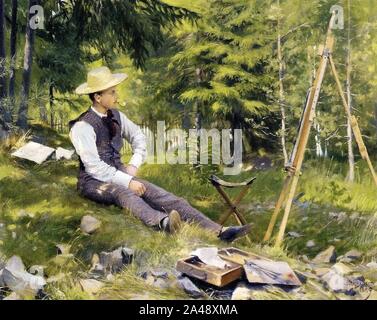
(83,139)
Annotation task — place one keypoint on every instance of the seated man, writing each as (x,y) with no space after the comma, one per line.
(97,136)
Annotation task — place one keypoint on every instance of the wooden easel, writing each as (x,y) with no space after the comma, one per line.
(297,156)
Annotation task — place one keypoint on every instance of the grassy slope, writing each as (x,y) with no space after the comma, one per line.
(48,193)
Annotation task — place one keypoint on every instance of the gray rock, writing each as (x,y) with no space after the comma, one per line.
(353,255)
(91,286)
(294,234)
(18,280)
(304,258)
(341,268)
(344,259)
(339,216)
(97,269)
(357,280)
(128,255)
(327,256)
(303,205)
(111,261)
(15,264)
(114,261)
(337,283)
(157,277)
(310,244)
(190,288)
(242,292)
(89,224)
(37,270)
(159,273)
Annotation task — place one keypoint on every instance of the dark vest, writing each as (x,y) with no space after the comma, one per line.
(108,149)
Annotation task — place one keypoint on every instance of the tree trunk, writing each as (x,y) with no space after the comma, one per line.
(52,112)
(351,158)
(3,83)
(26,75)
(13,50)
(4,114)
(318,142)
(281,93)
(42,112)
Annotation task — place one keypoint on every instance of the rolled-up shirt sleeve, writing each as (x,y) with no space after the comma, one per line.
(83,139)
(133,134)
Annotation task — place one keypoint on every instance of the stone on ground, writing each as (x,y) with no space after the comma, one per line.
(310,244)
(336,282)
(19,281)
(89,224)
(189,287)
(37,270)
(91,286)
(242,292)
(327,256)
(114,261)
(353,255)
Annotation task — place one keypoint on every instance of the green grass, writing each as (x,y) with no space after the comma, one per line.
(48,193)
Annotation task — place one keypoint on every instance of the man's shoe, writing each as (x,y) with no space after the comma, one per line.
(229,234)
(172,223)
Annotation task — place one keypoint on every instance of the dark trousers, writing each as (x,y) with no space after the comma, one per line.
(151,208)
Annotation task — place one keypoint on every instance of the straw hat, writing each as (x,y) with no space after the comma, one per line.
(100,79)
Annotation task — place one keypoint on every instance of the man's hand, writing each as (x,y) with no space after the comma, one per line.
(131,170)
(137,187)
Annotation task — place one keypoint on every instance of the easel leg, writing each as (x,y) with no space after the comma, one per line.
(278,206)
(287,209)
(354,124)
